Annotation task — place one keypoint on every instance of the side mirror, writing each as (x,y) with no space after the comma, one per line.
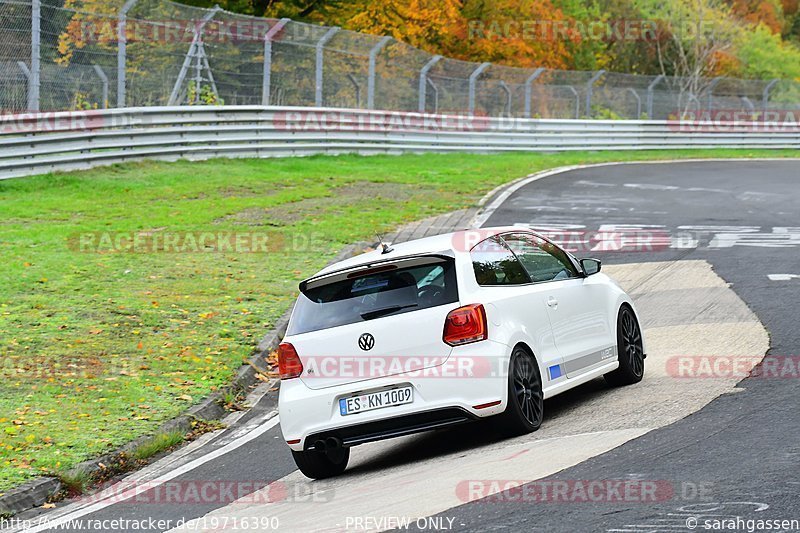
(590,266)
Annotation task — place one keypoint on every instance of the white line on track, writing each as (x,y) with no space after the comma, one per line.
(112,499)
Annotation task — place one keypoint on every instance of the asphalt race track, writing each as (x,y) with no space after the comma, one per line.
(743,448)
(713,447)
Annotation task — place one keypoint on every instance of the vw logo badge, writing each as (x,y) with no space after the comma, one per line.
(366,341)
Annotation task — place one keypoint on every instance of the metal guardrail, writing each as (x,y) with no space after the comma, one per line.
(45,142)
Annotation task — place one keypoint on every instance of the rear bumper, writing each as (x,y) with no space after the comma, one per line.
(308,415)
(388,428)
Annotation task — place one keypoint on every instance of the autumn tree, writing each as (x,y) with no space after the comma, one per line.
(700,43)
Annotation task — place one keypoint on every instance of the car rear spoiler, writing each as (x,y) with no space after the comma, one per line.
(364,269)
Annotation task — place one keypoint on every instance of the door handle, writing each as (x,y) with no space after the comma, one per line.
(552,302)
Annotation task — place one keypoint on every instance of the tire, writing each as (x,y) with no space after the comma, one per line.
(630,350)
(525,408)
(321,465)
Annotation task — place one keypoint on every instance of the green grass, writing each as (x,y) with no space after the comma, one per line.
(97,348)
(76,481)
(157,444)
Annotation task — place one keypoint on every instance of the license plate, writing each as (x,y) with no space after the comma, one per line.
(375,400)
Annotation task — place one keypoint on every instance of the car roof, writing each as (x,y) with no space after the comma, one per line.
(446,243)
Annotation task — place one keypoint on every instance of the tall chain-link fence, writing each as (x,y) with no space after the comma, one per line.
(57,55)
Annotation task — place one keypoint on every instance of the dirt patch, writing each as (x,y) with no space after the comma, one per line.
(251,192)
(346,195)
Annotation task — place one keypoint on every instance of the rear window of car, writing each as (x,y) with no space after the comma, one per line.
(404,289)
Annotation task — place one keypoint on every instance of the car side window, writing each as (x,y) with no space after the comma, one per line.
(495,264)
(542,260)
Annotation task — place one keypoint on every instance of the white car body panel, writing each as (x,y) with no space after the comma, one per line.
(419,333)
(572,342)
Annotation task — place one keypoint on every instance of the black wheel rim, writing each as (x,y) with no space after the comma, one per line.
(631,344)
(528,389)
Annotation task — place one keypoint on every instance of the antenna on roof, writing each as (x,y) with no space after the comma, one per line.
(386,247)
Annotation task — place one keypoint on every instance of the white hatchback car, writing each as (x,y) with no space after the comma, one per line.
(444,330)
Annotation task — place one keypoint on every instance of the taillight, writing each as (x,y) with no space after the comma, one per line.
(289,364)
(465,324)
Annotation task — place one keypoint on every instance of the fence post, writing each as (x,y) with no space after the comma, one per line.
(27,73)
(318,78)
(749,104)
(423,76)
(638,102)
(435,95)
(25,70)
(711,86)
(696,101)
(589,87)
(122,50)
(373,54)
(765,94)
(34,81)
(266,79)
(650,89)
(104,79)
(504,86)
(473,78)
(357,89)
(577,101)
(528,85)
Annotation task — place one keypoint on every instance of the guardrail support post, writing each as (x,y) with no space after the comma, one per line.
(423,76)
(319,62)
(711,86)
(638,102)
(528,89)
(104,79)
(266,78)
(473,78)
(650,89)
(373,54)
(34,80)
(122,50)
(589,90)
(765,94)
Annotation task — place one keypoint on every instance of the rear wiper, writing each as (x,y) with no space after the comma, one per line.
(375,313)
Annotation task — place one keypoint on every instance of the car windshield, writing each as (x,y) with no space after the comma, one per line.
(376,295)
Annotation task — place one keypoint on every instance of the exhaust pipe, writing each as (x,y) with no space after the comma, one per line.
(328,445)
